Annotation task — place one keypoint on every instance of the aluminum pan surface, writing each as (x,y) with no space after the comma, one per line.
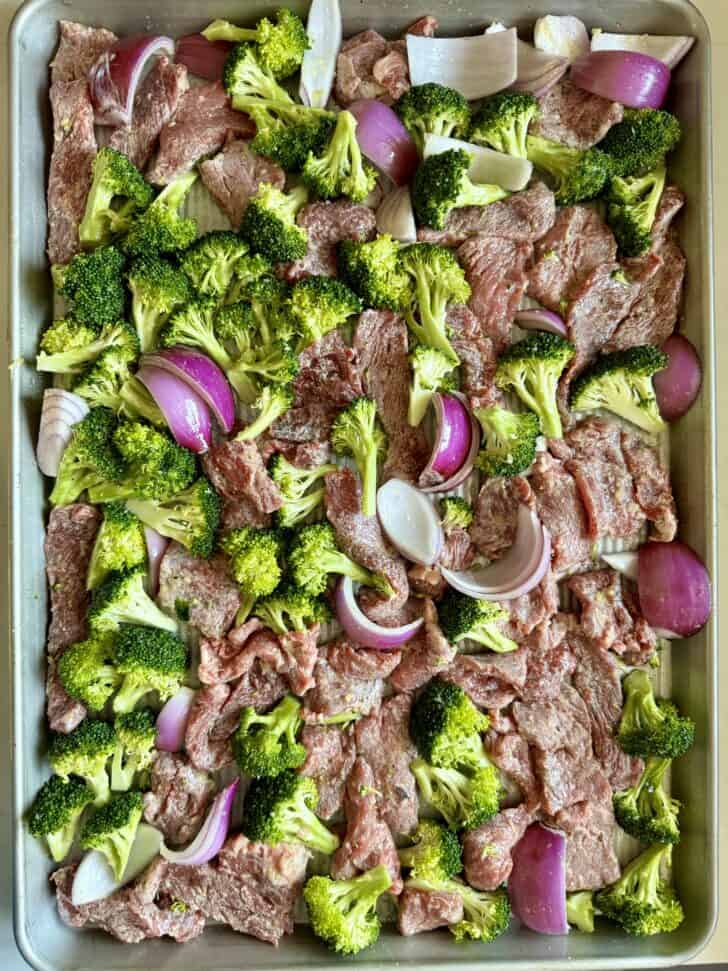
(44,941)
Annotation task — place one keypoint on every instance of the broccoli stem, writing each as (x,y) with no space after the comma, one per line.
(369,482)
(128,695)
(99,782)
(242,383)
(304,825)
(60,842)
(247,601)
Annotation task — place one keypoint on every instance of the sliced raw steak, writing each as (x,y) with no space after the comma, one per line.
(337,690)
(330,755)
(237,472)
(234,175)
(327,224)
(495,518)
(424,656)
(600,302)
(426,910)
(651,486)
(550,659)
(368,66)
(591,862)
(610,615)
(491,680)
(199,591)
(487,849)
(531,609)
(478,361)
(179,797)
(574,117)
(78,50)
(69,541)
(562,513)
(512,755)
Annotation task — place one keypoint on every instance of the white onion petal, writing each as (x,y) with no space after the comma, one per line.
(94,879)
(156,548)
(668,49)
(319,62)
(60,411)
(410,522)
(539,319)
(486,165)
(474,66)
(364,631)
(624,563)
(565,36)
(395,215)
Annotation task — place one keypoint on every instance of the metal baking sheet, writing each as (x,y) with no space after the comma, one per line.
(44,941)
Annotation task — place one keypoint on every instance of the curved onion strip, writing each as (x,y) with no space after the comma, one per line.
(463,471)
(538,71)
(319,62)
(384,140)
(94,879)
(624,563)
(114,78)
(202,375)
(186,414)
(486,165)
(209,841)
(172,721)
(474,66)
(156,547)
(395,216)
(537,884)
(364,631)
(61,410)
(538,319)
(410,522)
(668,49)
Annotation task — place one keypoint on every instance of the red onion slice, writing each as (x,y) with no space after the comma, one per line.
(454,448)
(674,588)
(114,77)
(384,140)
(410,522)
(202,57)
(209,841)
(537,319)
(364,631)
(537,884)
(203,376)
(678,385)
(636,80)
(184,410)
(156,547)
(172,721)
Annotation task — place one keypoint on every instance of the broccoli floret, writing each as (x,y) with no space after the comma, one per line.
(265,745)
(532,368)
(649,725)
(296,486)
(373,271)
(319,304)
(633,203)
(580,910)
(287,133)
(446,726)
(578,174)
(93,285)
(341,170)
(314,554)
(437,280)
(640,142)
(136,402)
(502,122)
(111,830)
(356,432)
(191,517)
(280,45)
(269,302)
(343,913)
(149,659)
(465,797)
(56,813)
(442,183)
(464,617)
(641,901)
(455,513)
(436,854)
(255,561)
(273,363)
(433,109)
(258,357)
(290,609)
(136,732)
(431,372)
(88,672)
(211,260)
(194,326)
(621,382)
(269,223)
(487,914)
(84,752)
(161,229)
(118,191)
(282,808)
(122,599)
(248,269)
(272,402)
(157,288)
(102,382)
(509,441)
(245,77)
(68,345)
(119,544)
(645,810)
(89,458)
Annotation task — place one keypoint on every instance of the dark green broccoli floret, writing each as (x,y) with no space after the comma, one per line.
(272,363)
(343,913)
(455,512)
(446,726)
(442,184)
(118,191)
(532,368)
(641,902)
(194,326)
(509,441)
(149,659)
(464,617)
(641,141)
(578,173)
(645,810)
(119,544)
(93,285)
(622,383)
(68,345)
(136,732)
(84,752)
(161,229)
(431,372)
(580,910)
(271,403)
(248,270)
(191,517)
(299,498)
(269,223)
(356,432)
(244,76)
(89,458)
(341,169)
(290,609)
(157,288)
(633,203)
(314,554)
(282,808)
(111,830)
(280,45)
(56,813)
(258,357)
(255,561)
(502,122)
(465,797)
(211,260)
(649,725)
(373,271)
(436,854)
(287,133)
(487,914)
(319,304)
(122,599)
(102,382)
(265,745)
(433,109)
(87,670)
(437,280)
(268,317)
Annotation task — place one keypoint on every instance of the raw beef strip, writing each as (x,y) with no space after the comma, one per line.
(199,591)
(382,346)
(237,472)
(491,680)
(154,104)
(426,910)
(200,126)
(327,224)
(368,841)
(610,616)
(225,659)
(578,242)
(550,660)
(457,551)
(651,485)
(365,663)
(560,509)
(234,175)
(64,713)
(69,541)
(383,739)
(368,66)
(671,202)
(251,887)
(292,656)
(129,914)
(599,303)
(424,27)
(478,361)
(261,687)
(522,217)
(79,48)
(487,849)
(337,690)
(591,862)
(531,609)
(424,656)
(495,516)
(300,653)
(179,797)
(69,175)
(304,455)
(330,754)
(512,755)
(392,71)
(574,117)
(426,581)
(237,513)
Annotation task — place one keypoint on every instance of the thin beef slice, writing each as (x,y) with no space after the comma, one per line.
(237,472)
(651,485)
(591,860)
(487,849)
(551,661)
(330,754)
(327,225)
(368,66)
(495,516)
(426,910)
(575,117)
(424,656)
(78,50)
(491,680)
(199,591)
(561,511)
(178,798)
(346,679)
(610,615)
(234,175)
(478,359)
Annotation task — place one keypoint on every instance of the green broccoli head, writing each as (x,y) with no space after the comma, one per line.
(432,371)
(161,229)
(248,269)
(255,561)
(85,752)
(436,854)
(273,401)
(119,545)
(149,659)
(341,170)
(301,489)
(320,304)
(136,732)
(287,133)
(271,364)
(641,902)
(291,609)
(455,512)
(462,617)
(246,76)
(93,285)
(486,916)
(580,910)
(157,289)
(313,555)
(640,142)
(446,726)
(191,517)
(442,183)
(356,432)
(509,441)
(193,325)
(88,672)
(466,797)
(373,271)
(265,745)
(282,808)
(67,345)
(532,368)
(118,192)
(633,203)
(343,913)
(502,121)
(269,223)
(433,109)
(578,174)
(652,726)
(102,382)
(645,810)
(281,44)
(56,813)
(269,302)
(211,260)
(122,599)
(89,458)
(111,829)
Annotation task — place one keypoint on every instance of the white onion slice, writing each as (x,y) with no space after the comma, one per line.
(539,319)
(114,77)
(410,522)
(172,721)
(538,71)
(364,631)
(209,841)
(474,66)
(668,49)
(94,879)
(624,563)
(486,165)
(396,217)
(156,548)
(565,36)
(319,61)
(60,411)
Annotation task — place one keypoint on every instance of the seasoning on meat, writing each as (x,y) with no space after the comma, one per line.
(234,175)
(237,472)
(224,659)
(512,755)
(346,680)
(478,359)
(491,680)
(575,117)
(591,860)
(178,798)
(426,910)
(561,512)
(327,225)
(199,591)
(651,486)
(550,659)
(78,50)
(330,754)
(487,849)
(610,615)
(493,529)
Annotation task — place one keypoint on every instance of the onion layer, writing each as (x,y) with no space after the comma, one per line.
(474,66)
(172,721)
(537,884)
(94,879)
(209,841)
(674,588)
(384,140)
(536,319)
(364,631)
(186,414)
(115,76)
(410,522)
(678,385)
(61,410)
(538,71)
(668,49)
(203,376)
(457,440)
(495,168)
(319,62)
(636,80)
(156,547)
(395,216)
(202,57)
